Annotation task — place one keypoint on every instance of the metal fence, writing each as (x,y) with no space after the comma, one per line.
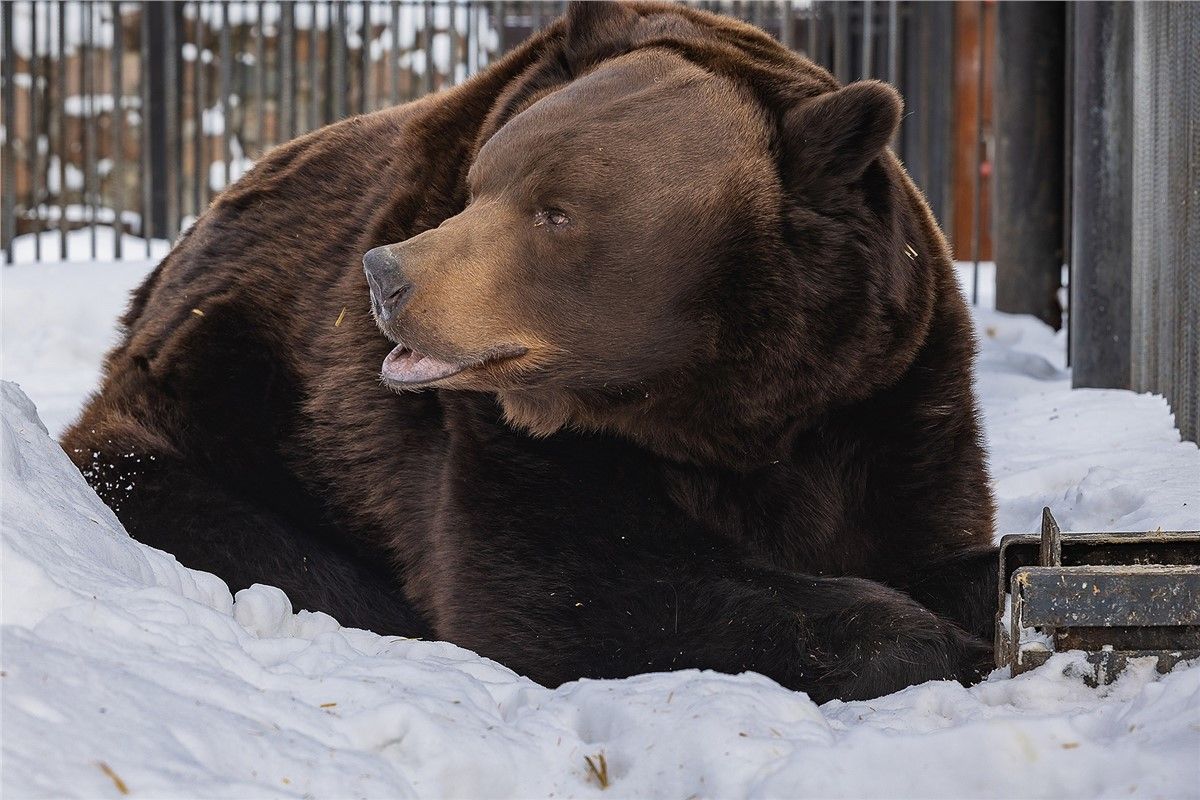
(133,115)
(123,119)
(1165,242)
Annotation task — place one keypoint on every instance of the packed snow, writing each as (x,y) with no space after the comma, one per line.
(124,672)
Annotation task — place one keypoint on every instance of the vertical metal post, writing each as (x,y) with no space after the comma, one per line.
(976,177)
(1029,119)
(260,69)
(156,73)
(89,126)
(1068,149)
(8,220)
(314,88)
(893,73)
(841,41)
(199,135)
(287,69)
(337,38)
(175,99)
(364,77)
(814,15)
(868,37)
(394,54)
(116,56)
(60,79)
(457,53)
(226,89)
(427,44)
(472,43)
(240,89)
(787,33)
(33,144)
(1102,177)
(144,129)
(496,18)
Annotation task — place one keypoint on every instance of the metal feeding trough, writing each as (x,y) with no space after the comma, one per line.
(1114,596)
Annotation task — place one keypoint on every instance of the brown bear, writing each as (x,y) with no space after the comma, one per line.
(675,373)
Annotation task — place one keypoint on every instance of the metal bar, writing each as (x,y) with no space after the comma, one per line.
(314,91)
(1050,551)
(472,38)
(868,37)
(976,177)
(199,103)
(89,127)
(496,17)
(144,180)
(921,161)
(173,63)
(177,93)
(394,54)
(33,145)
(337,39)
(841,41)
(8,222)
(893,72)
(116,57)
(1107,596)
(427,78)
(1068,149)
(226,89)
(364,75)
(928,82)
(238,130)
(455,50)
(60,79)
(260,70)
(814,12)
(1102,178)
(1112,549)
(287,68)
(480,16)
(154,118)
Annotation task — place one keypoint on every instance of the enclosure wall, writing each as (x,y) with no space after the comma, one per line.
(1165,301)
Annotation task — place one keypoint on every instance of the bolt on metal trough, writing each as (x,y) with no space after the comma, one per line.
(1115,596)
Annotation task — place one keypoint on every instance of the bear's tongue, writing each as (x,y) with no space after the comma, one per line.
(408,366)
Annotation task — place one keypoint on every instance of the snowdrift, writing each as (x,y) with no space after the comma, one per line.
(122,671)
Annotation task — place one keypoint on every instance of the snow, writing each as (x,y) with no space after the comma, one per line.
(59,319)
(122,669)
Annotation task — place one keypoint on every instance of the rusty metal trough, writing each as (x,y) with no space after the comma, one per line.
(1114,596)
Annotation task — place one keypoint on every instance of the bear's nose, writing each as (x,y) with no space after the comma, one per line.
(390,291)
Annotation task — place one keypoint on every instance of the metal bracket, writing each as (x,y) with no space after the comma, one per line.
(1114,596)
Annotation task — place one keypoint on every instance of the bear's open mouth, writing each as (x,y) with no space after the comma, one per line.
(406,367)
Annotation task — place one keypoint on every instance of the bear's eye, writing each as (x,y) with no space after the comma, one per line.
(552,217)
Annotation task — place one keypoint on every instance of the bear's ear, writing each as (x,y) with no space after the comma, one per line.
(595,30)
(834,137)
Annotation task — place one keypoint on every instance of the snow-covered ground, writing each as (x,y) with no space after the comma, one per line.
(125,672)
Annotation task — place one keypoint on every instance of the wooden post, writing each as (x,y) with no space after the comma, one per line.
(1030,122)
(1102,191)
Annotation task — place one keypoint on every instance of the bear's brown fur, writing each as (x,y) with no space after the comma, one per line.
(698,372)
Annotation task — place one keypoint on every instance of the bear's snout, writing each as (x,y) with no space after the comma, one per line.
(390,289)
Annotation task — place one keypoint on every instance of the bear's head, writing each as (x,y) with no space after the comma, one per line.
(657,246)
